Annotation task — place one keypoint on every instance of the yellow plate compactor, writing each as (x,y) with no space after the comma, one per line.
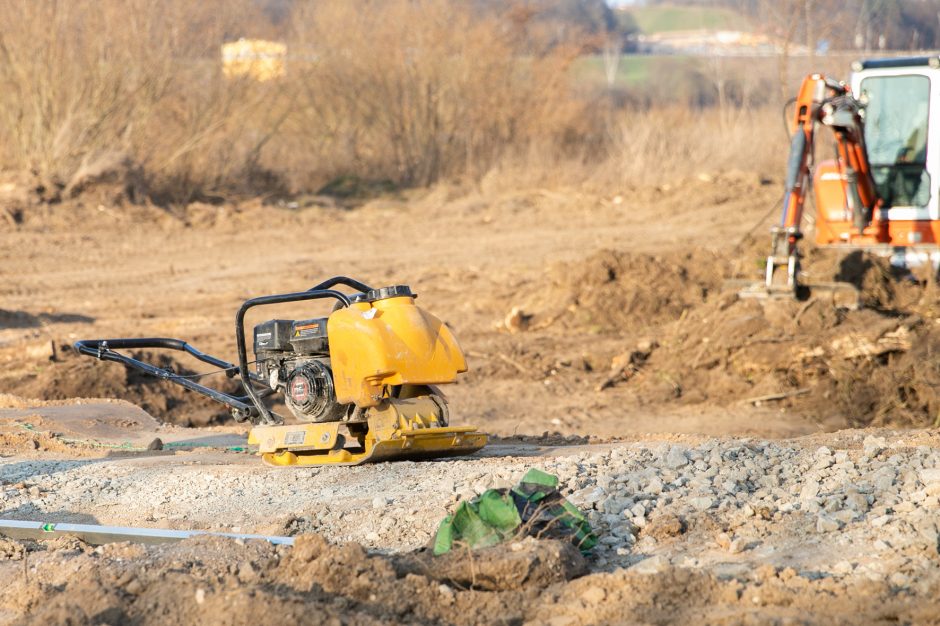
(362,383)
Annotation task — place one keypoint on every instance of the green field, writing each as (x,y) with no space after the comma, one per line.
(633,71)
(660,19)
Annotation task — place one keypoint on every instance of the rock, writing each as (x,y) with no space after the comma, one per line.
(622,531)
(676,458)
(856,502)
(615,506)
(810,490)
(873,445)
(652,565)
(701,503)
(200,596)
(844,516)
(880,521)
(379,502)
(516,320)
(246,572)
(156,444)
(929,476)
(827,524)
(664,525)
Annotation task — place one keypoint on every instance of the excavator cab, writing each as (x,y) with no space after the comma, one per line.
(899,98)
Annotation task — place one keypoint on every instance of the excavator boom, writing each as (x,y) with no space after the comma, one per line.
(821,102)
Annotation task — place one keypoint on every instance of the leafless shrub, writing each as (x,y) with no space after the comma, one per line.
(413,90)
(84,80)
(404,91)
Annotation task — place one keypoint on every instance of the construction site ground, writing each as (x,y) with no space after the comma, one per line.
(742,461)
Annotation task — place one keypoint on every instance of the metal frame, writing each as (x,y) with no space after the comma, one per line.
(249,406)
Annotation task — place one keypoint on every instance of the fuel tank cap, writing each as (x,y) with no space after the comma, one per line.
(394,291)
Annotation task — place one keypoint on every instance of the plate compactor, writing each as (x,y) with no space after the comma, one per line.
(362,382)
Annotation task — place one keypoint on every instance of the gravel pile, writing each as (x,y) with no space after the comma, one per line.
(846,504)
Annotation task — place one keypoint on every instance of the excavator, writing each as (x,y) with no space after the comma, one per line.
(876,193)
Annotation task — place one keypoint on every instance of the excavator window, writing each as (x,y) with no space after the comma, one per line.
(896,119)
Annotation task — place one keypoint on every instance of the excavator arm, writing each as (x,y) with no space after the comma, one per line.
(821,102)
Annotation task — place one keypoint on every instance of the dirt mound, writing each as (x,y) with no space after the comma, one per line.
(612,290)
(867,366)
(208,579)
(696,344)
(197,580)
(74,376)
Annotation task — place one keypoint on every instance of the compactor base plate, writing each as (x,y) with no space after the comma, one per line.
(322,444)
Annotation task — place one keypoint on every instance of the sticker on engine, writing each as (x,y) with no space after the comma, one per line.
(295,438)
(309,329)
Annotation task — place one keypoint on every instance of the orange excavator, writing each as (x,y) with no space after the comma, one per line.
(877,193)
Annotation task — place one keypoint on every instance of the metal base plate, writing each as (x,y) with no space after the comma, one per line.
(316,444)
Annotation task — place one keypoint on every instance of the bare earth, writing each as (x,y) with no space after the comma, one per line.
(713,504)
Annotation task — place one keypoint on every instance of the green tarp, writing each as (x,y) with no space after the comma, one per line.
(533,507)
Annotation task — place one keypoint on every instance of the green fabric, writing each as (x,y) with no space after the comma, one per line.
(482,522)
(536,485)
(534,507)
(498,510)
(444,539)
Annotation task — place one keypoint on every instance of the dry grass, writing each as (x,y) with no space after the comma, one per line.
(406,92)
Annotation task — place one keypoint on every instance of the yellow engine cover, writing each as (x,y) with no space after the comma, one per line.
(389,342)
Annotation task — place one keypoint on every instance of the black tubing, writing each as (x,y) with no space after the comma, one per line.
(341,280)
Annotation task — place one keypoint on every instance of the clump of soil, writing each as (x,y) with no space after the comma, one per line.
(525,563)
(612,290)
(74,376)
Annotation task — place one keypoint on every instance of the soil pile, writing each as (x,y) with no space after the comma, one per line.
(74,376)
(870,367)
(612,290)
(873,366)
(697,344)
(197,580)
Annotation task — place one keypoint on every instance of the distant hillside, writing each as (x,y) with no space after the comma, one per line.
(661,19)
